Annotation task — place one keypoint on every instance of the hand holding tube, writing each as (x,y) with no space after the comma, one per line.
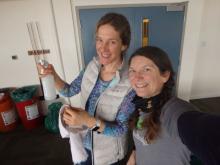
(44,69)
(48,69)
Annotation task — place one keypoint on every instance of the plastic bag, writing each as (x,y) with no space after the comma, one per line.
(23,93)
(51,120)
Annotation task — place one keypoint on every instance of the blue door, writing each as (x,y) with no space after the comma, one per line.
(165,29)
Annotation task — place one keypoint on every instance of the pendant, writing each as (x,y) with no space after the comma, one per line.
(139,124)
(149,104)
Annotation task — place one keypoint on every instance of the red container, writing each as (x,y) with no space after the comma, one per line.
(29,113)
(8,115)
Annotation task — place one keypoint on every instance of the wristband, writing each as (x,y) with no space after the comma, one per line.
(97,125)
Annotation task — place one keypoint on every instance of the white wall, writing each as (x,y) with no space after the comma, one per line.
(206,81)
(14,40)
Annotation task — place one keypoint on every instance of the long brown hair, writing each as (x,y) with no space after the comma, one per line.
(162,61)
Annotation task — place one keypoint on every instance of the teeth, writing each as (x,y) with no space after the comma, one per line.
(141,85)
(105,55)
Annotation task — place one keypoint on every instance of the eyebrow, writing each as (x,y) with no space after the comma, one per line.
(110,39)
(152,66)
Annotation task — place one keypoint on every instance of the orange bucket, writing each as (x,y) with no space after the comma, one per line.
(8,115)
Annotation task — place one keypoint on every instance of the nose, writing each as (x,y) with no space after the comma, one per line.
(104,46)
(138,75)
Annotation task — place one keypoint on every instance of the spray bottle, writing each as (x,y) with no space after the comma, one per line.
(48,83)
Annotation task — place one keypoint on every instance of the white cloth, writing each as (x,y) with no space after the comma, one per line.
(76,145)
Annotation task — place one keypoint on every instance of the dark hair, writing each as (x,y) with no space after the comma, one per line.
(162,61)
(120,24)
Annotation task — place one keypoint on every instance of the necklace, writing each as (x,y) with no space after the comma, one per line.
(145,106)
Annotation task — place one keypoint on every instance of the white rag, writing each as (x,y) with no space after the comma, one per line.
(76,145)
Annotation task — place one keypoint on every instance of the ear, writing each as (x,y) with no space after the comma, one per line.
(166,76)
(124,47)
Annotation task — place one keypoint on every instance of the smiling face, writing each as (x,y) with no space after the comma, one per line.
(145,77)
(109,45)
